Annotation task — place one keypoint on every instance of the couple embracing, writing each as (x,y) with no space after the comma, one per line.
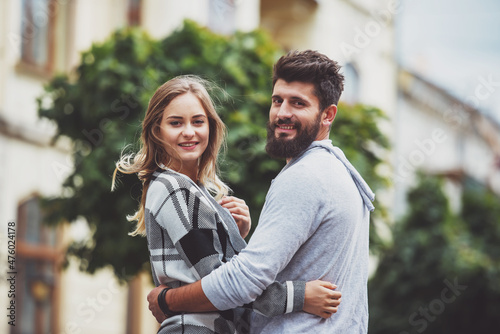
(305,268)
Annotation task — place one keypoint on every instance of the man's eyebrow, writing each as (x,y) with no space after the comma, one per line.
(298,98)
(293,97)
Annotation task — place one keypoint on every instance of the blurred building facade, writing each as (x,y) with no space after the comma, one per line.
(430,130)
(39,38)
(439,134)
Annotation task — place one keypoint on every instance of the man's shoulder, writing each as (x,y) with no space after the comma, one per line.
(304,175)
(315,160)
(317,170)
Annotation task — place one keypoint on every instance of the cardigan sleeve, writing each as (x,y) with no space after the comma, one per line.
(188,225)
(280,298)
(199,237)
(289,220)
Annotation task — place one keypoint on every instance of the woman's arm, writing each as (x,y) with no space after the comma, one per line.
(320,299)
(186,231)
(315,297)
(188,226)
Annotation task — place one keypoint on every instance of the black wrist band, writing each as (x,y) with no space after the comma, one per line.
(162,303)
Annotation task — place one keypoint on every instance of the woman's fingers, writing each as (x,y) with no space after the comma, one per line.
(240,212)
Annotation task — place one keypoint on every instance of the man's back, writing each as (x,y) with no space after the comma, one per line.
(335,226)
(314,225)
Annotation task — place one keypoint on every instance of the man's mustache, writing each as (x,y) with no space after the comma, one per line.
(286,121)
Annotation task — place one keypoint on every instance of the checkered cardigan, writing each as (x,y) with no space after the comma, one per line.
(189,235)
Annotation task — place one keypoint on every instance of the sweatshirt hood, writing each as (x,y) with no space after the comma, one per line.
(363,188)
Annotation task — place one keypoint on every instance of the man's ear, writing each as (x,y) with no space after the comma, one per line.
(329,115)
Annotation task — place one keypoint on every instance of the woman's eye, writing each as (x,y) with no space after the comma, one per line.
(199,122)
(175,123)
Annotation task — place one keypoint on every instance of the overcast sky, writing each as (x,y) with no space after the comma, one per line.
(455,44)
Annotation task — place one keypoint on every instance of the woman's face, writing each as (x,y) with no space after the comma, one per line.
(184,126)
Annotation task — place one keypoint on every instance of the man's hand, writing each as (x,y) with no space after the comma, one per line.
(240,212)
(153,303)
(321,299)
(187,298)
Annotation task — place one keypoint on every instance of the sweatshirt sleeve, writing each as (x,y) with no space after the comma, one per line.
(280,298)
(287,220)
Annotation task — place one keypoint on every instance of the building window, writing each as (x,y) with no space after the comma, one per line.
(350,94)
(222,14)
(37,265)
(291,23)
(37,34)
(134,12)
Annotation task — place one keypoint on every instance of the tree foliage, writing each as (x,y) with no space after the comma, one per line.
(101,106)
(441,275)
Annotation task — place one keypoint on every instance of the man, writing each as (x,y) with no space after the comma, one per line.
(315,220)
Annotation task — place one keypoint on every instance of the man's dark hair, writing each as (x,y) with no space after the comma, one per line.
(312,67)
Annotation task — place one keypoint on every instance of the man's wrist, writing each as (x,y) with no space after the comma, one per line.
(163,303)
(187,298)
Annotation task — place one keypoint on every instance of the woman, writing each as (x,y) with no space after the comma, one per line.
(189,233)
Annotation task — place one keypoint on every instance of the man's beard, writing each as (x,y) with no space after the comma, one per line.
(282,147)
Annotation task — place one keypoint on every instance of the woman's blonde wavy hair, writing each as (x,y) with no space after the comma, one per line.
(152,152)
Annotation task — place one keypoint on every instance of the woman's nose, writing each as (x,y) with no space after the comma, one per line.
(188,131)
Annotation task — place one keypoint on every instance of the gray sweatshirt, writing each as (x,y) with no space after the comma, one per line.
(314,225)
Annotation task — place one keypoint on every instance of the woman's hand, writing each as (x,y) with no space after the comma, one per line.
(321,299)
(240,212)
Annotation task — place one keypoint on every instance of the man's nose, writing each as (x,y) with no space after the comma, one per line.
(284,111)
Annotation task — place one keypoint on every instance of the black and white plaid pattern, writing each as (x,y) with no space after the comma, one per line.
(189,235)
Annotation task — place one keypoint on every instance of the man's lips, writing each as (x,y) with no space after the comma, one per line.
(286,127)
